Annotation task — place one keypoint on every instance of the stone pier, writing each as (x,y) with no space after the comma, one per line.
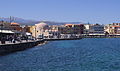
(9,48)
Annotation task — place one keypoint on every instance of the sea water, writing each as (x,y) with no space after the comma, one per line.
(90,54)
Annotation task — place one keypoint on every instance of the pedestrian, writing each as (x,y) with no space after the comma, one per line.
(10,39)
(3,40)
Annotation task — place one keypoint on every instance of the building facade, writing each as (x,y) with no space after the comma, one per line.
(39,29)
(72,29)
(96,29)
(113,28)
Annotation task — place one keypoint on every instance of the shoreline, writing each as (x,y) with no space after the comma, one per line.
(6,49)
(10,48)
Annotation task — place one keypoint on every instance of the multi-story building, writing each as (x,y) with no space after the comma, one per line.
(96,29)
(15,26)
(108,28)
(72,29)
(39,29)
(113,28)
(10,26)
(52,32)
(116,28)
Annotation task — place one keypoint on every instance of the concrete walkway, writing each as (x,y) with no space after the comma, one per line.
(17,42)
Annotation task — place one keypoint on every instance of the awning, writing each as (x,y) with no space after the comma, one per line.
(6,31)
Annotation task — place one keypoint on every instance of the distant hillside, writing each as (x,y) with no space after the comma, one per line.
(33,22)
(21,21)
(53,23)
(61,23)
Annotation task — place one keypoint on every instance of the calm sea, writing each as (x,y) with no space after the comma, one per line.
(90,54)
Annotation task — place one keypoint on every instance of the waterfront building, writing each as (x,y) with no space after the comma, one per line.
(39,29)
(15,26)
(116,28)
(113,28)
(72,29)
(96,29)
(65,30)
(10,26)
(108,28)
(7,28)
(52,32)
(42,30)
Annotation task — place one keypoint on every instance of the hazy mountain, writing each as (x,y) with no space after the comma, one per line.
(33,22)
(53,23)
(61,23)
(20,21)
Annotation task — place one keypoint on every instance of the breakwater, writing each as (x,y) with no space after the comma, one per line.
(9,48)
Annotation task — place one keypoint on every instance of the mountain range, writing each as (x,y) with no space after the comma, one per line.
(33,22)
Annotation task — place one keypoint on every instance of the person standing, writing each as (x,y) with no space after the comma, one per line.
(3,40)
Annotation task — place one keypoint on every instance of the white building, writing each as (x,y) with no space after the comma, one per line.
(40,29)
(94,29)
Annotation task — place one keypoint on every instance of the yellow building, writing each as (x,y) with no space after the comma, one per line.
(32,30)
(38,29)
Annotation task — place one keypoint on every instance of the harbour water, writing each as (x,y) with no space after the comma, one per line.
(90,54)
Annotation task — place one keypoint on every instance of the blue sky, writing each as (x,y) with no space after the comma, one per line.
(93,11)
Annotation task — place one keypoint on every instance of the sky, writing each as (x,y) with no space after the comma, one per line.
(92,11)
